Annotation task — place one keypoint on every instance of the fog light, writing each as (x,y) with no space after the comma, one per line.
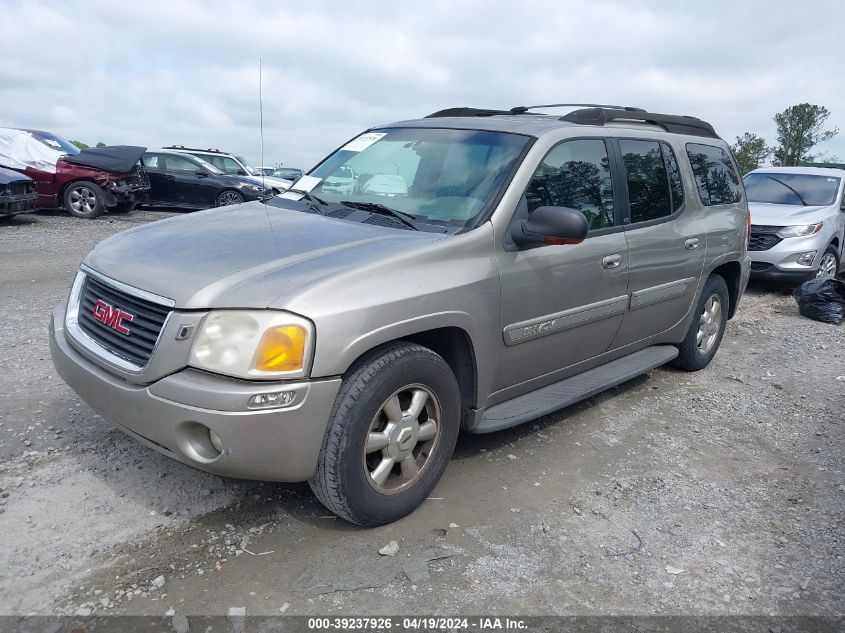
(273,399)
(215,440)
(806,259)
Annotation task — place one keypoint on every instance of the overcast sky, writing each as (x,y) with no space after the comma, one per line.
(155,73)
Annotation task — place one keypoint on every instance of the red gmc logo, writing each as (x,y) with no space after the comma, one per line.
(111,316)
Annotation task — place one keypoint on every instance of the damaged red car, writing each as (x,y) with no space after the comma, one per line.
(85,183)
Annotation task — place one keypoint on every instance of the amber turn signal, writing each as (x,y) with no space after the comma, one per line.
(282,349)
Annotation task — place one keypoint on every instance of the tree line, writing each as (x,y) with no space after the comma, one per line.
(799,129)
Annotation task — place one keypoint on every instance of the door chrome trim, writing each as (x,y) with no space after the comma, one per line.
(551,323)
(663,292)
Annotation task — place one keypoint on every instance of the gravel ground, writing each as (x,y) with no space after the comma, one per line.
(718,493)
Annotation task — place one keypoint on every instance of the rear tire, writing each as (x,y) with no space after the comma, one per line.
(707,328)
(385,449)
(84,199)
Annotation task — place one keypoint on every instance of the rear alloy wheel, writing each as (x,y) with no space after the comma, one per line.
(707,328)
(228,198)
(829,264)
(84,199)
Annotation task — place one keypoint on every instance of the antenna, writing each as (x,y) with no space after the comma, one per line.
(261,123)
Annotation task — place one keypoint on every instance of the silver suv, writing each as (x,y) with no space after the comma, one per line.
(797,222)
(481,269)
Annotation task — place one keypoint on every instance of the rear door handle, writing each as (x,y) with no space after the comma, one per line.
(691,243)
(611,261)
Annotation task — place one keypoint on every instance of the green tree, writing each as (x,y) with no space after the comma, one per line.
(750,151)
(80,144)
(101,144)
(799,129)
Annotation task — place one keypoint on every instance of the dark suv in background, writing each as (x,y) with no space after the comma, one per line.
(181,180)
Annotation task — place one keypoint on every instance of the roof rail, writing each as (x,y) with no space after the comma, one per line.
(449,112)
(194,149)
(524,109)
(677,124)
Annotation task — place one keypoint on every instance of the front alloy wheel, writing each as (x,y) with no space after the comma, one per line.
(228,198)
(402,437)
(829,265)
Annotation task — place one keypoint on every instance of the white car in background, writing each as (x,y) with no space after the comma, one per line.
(797,222)
(234,166)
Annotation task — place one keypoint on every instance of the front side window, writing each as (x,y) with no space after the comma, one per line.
(796,189)
(575,174)
(434,175)
(715,175)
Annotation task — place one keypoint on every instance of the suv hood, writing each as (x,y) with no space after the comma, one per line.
(764,213)
(244,256)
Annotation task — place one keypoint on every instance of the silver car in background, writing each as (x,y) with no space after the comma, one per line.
(797,222)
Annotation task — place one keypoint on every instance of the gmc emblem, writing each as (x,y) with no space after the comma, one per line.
(111,316)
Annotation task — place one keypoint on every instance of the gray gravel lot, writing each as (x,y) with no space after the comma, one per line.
(719,492)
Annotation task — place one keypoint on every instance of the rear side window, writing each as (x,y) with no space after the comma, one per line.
(715,175)
(654,182)
(575,174)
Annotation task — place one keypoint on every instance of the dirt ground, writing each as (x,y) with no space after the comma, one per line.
(719,492)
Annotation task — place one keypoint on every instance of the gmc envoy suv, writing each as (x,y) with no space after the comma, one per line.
(480,269)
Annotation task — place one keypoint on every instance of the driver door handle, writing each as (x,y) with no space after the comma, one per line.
(691,243)
(612,261)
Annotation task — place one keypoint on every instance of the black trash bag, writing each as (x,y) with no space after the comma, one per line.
(822,299)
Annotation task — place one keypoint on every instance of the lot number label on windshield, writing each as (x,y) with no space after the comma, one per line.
(363,142)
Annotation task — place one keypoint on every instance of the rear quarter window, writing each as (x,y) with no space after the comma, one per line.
(715,175)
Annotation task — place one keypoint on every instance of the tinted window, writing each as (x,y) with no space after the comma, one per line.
(676,187)
(177,163)
(715,174)
(151,161)
(780,188)
(649,194)
(575,174)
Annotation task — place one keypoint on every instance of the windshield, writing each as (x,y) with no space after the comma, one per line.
(433,175)
(800,189)
(55,142)
(249,168)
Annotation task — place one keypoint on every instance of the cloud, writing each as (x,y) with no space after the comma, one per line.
(156,73)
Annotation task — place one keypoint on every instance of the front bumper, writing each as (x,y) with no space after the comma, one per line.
(21,203)
(172,415)
(769,272)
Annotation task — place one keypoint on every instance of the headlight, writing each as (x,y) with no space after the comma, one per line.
(254,344)
(801,230)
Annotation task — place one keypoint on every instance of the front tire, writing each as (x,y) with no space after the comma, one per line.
(229,197)
(829,263)
(392,432)
(84,200)
(707,328)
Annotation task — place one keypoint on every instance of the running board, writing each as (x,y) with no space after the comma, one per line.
(571,390)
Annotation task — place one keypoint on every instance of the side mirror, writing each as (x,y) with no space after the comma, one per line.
(240,172)
(201,173)
(550,225)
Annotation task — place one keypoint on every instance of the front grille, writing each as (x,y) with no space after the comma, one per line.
(763,237)
(147,320)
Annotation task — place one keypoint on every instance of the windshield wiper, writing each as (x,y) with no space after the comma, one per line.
(798,195)
(314,203)
(375,207)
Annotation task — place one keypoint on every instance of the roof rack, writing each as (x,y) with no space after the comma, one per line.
(194,149)
(595,114)
(675,123)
